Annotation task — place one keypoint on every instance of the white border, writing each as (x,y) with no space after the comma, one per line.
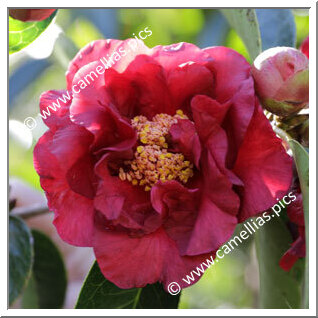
(163,312)
(162,3)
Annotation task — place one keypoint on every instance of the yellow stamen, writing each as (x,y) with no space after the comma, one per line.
(153,162)
(179,112)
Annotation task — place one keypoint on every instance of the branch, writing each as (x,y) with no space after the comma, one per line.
(30,211)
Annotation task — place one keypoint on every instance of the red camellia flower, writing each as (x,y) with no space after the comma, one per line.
(297,250)
(304,48)
(27,15)
(156,161)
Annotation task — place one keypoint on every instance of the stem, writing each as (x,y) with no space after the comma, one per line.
(281,133)
(30,211)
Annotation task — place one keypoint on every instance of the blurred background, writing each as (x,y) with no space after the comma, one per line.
(233,282)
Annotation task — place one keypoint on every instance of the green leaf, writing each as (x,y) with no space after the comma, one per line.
(48,286)
(278,289)
(20,256)
(21,34)
(99,293)
(277,27)
(301,158)
(245,23)
(30,299)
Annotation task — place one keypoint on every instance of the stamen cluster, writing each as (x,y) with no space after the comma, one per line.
(152,161)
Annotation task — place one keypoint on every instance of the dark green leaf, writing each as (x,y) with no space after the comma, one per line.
(301,158)
(277,27)
(98,293)
(278,288)
(20,256)
(245,23)
(154,296)
(49,276)
(30,299)
(22,33)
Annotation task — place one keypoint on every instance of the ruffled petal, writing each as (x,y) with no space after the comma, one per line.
(121,93)
(121,202)
(208,117)
(149,80)
(233,83)
(213,227)
(264,167)
(217,184)
(206,111)
(195,223)
(188,80)
(54,155)
(153,257)
(214,213)
(92,109)
(238,119)
(230,70)
(114,54)
(297,250)
(171,56)
(54,108)
(185,139)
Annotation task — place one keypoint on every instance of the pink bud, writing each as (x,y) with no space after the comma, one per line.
(282,80)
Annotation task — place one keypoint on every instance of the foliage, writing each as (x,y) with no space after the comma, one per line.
(48,283)
(99,293)
(20,256)
(21,34)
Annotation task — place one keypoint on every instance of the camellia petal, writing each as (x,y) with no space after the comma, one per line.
(103,52)
(263,166)
(135,262)
(304,48)
(74,213)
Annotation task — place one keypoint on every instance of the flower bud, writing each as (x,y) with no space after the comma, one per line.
(282,80)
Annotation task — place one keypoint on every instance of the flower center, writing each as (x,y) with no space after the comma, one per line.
(152,161)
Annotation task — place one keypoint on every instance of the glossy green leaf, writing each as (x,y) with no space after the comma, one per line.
(245,23)
(301,158)
(99,293)
(22,33)
(278,289)
(20,256)
(48,286)
(30,299)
